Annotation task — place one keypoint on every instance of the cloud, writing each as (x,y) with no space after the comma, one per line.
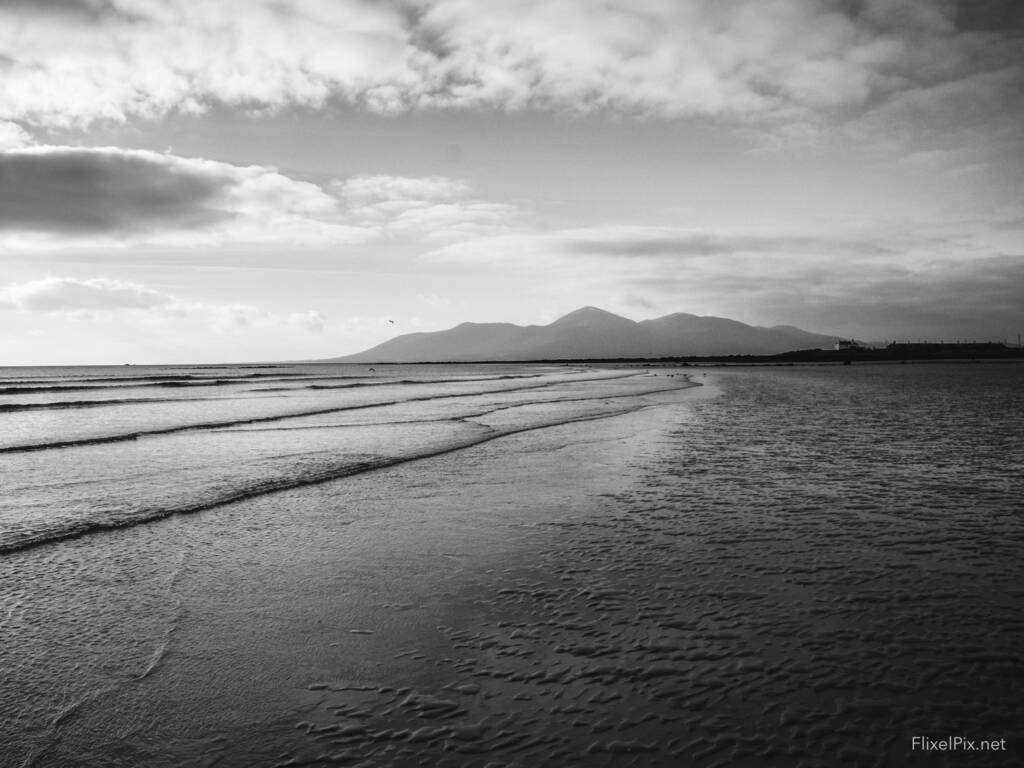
(86,9)
(627,245)
(780,63)
(376,189)
(102,298)
(999,15)
(70,190)
(629,242)
(61,294)
(58,195)
(1013,223)
(311,320)
(979,300)
(945,299)
(242,317)
(844,282)
(75,62)
(64,194)
(13,135)
(437,207)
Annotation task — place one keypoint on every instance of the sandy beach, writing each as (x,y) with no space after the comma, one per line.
(228,636)
(546,598)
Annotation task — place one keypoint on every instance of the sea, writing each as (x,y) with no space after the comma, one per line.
(465,565)
(92,448)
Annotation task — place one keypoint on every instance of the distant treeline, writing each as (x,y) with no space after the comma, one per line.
(891,353)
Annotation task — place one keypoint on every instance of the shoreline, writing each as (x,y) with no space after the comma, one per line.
(295,543)
(343,469)
(679,584)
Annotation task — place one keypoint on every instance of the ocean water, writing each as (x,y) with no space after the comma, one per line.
(554,566)
(86,449)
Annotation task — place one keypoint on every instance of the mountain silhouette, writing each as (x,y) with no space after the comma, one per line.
(591,333)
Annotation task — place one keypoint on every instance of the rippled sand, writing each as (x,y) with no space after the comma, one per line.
(675,585)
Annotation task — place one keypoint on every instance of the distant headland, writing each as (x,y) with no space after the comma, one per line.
(594,334)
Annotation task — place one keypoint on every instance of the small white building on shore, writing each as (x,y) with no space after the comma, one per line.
(848,345)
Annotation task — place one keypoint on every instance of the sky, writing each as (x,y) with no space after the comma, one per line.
(243,180)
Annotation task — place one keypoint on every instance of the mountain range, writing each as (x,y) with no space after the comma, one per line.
(591,333)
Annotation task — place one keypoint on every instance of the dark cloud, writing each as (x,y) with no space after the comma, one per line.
(1013,224)
(961,15)
(85,9)
(982,306)
(712,245)
(990,15)
(685,245)
(69,190)
(971,300)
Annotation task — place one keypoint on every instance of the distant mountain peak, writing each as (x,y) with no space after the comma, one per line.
(686,315)
(588,314)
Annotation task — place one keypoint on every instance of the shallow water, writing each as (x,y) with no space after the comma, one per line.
(803,566)
(77,466)
(812,567)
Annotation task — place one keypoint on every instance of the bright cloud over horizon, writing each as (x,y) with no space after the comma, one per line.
(296,174)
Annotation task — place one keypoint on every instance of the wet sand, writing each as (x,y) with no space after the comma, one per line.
(209,638)
(535,600)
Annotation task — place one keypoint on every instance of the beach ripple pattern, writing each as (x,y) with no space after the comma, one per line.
(817,566)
